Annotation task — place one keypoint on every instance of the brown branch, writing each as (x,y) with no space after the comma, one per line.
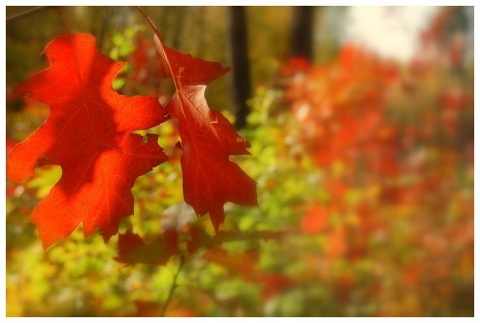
(25,13)
(172,288)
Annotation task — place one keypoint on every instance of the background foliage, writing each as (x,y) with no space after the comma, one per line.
(364,169)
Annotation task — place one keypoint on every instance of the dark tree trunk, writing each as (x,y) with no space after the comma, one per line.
(240,85)
(302,32)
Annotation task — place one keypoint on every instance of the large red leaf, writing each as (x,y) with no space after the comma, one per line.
(89,134)
(210,179)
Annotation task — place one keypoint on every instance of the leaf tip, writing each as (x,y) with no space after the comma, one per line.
(217,216)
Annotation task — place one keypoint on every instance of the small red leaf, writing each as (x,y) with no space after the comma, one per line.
(244,265)
(133,250)
(241,264)
(126,243)
(273,284)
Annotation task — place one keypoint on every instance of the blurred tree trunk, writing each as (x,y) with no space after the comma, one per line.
(302,32)
(240,85)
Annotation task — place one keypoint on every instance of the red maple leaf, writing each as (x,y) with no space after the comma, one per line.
(89,134)
(210,179)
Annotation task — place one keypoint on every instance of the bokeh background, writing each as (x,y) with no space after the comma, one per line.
(361,125)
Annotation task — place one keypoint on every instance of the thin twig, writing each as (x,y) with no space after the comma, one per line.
(25,13)
(172,288)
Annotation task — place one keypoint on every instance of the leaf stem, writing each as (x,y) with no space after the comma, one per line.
(172,288)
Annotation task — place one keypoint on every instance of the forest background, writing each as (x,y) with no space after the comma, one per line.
(363,164)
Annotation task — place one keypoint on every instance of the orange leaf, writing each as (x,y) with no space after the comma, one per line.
(316,220)
(89,134)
